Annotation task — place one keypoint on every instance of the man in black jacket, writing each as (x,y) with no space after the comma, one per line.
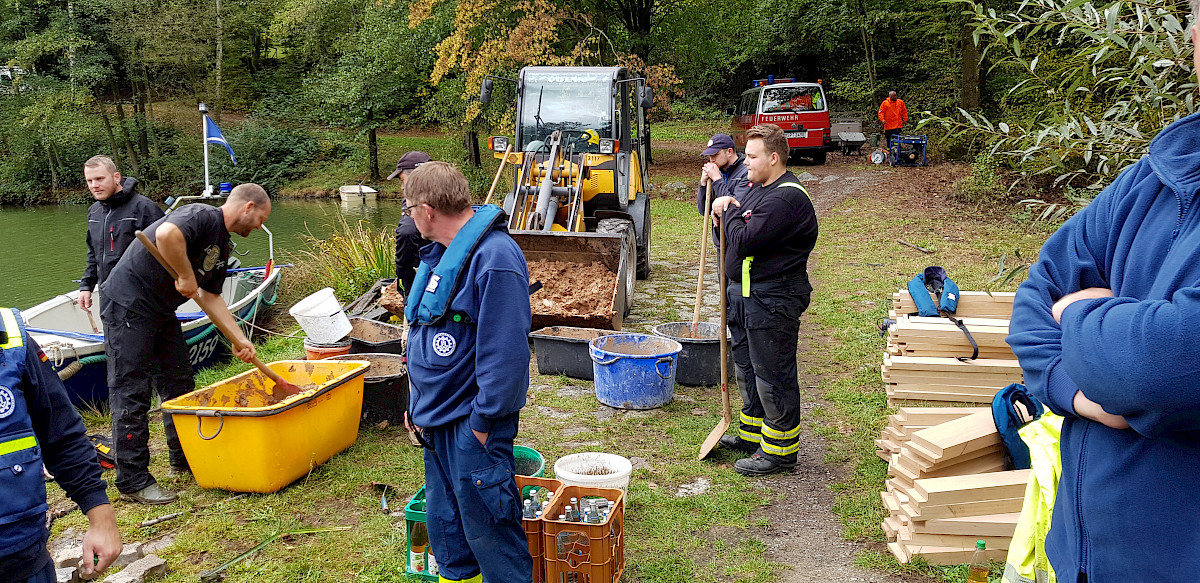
(725,170)
(408,239)
(769,233)
(118,211)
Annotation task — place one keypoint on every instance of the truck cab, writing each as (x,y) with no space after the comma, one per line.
(799,109)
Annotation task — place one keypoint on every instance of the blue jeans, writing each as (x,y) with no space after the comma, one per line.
(472,505)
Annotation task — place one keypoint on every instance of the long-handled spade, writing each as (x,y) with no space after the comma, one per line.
(704,230)
(726,415)
(287,387)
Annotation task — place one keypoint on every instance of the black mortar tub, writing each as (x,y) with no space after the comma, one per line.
(700,360)
(385,388)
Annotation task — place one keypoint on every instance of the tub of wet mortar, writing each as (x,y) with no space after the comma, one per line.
(242,435)
(564,350)
(700,360)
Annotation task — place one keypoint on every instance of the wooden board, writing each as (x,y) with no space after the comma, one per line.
(987,525)
(930,416)
(943,555)
(971,488)
(917,512)
(970,303)
(906,535)
(925,363)
(960,436)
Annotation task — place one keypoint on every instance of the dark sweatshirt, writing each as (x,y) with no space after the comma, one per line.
(775,224)
(733,183)
(110,228)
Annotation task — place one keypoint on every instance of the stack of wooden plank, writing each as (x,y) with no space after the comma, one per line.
(944,380)
(971,304)
(939,337)
(949,488)
(908,420)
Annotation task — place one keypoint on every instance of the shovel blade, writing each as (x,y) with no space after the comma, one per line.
(713,438)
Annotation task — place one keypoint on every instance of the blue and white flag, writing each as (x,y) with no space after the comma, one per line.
(212,135)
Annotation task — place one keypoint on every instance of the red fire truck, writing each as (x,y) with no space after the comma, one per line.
(800,109)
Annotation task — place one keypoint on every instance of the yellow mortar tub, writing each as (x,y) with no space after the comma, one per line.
(237,439)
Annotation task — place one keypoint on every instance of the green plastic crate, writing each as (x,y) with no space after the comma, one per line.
(414,512)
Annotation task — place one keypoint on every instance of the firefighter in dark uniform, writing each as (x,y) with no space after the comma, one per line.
(39,426)
(118,211)
(770,233)
(142,338)
(408,239)
(468,359)
(725,169)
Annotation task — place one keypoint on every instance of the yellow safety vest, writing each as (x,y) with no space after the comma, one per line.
(1027,561)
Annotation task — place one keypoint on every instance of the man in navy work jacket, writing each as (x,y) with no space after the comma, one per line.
(408,239)
(725,170)
(769,234)
(1107,328)
(142,338)
(39,426)
(468,360)
(118,212)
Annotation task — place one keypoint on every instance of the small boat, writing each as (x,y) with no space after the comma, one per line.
(357,192)
(65,332)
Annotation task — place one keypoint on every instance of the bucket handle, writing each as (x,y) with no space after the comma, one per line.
(200,415)
(670,360)
(596,359)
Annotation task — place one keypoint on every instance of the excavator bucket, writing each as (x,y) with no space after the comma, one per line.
(584,277)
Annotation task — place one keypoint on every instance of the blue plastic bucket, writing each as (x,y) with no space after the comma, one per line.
(634,371)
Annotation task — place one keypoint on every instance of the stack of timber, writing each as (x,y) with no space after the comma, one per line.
(946,380)
(948,486)
(909,420)
(939,337)
(971,304)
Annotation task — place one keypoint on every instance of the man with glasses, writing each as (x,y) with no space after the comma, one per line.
(468,363)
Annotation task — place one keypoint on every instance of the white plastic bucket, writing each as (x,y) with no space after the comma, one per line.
(594,470)
(321,317)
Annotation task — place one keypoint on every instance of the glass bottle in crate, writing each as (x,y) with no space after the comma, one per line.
(418,543)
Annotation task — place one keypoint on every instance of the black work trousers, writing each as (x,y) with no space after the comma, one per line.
(765,329)
(144,354)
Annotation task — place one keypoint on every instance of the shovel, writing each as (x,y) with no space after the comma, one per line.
(703,253)
(726,415)
(287,387)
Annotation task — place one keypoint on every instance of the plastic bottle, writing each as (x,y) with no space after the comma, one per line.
(418,541)
(978,571)
(527,513)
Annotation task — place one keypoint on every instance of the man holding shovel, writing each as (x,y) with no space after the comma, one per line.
(725,170)
(143,340)
(770,233)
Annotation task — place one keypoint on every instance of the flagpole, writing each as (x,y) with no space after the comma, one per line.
(204,144)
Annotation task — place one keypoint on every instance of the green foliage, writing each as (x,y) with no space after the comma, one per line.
(693,110)
(350,260)
(270,155)
(1091,83)
(983,185)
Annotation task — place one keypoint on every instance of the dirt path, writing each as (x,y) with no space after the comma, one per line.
(802,532)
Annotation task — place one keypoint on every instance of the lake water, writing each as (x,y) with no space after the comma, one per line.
(44,247)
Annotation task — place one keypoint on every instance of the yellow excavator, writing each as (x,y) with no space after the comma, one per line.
(578,165)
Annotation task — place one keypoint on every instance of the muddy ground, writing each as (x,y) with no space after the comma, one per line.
(802,530)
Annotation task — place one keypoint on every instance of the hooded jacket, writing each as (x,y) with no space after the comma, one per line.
(893,115)
(734,182)
(110,228)
(1126,506)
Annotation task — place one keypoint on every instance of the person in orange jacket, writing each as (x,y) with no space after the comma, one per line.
(894,115)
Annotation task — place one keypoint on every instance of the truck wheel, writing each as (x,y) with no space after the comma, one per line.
(624,228)
(643,248)
(819,157)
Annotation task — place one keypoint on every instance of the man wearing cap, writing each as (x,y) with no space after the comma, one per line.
(408,238)
(724,169)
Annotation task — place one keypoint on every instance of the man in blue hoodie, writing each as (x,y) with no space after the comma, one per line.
(468,360)
(725,169)
(1106,329)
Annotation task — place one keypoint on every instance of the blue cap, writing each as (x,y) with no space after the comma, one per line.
(717,143)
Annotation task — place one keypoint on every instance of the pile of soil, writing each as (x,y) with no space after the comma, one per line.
(392,300)
(572,289)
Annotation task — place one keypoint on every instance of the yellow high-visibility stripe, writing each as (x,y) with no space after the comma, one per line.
(748,420)
(476,579)
(11,327)
(776,450)
(797,185)
(746,276)
(776,434)
(18,444)
(750,436)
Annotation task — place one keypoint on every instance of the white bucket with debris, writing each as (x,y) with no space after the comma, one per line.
(321,317)
(594,470)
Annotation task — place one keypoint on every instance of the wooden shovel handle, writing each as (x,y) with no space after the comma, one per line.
(153,249)
(704,229)
(726,414)
(499,171)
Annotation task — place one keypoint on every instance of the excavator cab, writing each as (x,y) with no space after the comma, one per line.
(578,165)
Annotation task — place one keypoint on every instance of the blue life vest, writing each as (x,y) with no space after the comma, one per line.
(1009,419)
(433,288)
(21,481)
(935,280)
